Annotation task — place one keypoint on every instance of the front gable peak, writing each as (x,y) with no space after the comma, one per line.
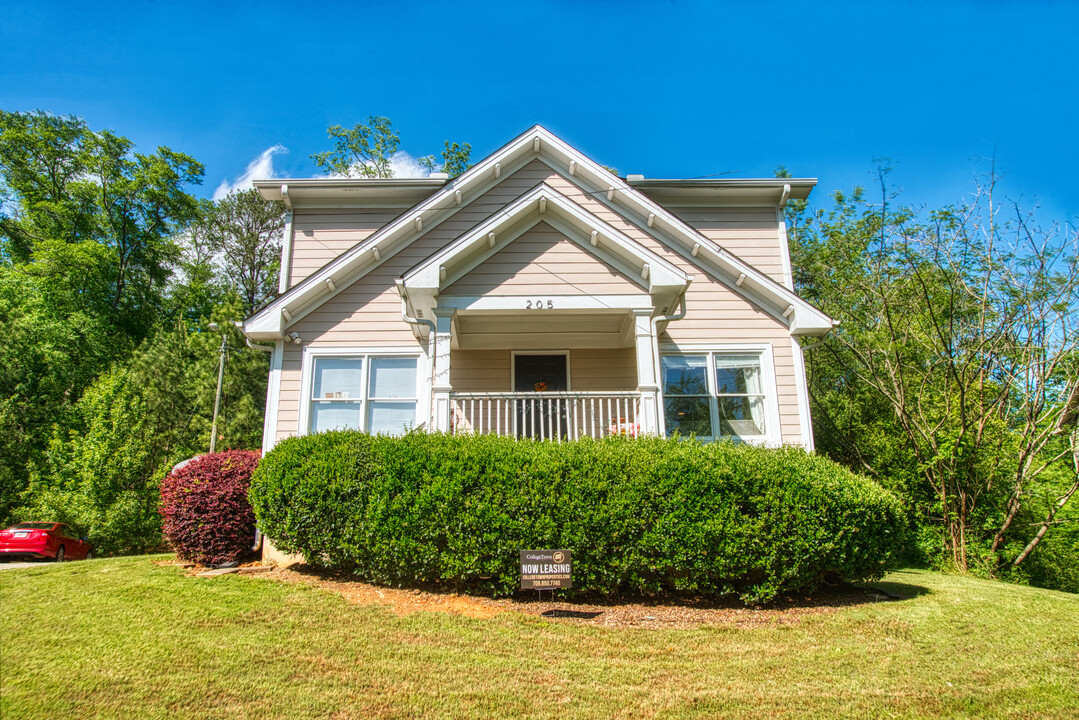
(656,276)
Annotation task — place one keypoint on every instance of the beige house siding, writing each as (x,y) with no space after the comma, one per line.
(368,314)
(750,233)
(590,370)
(545,262)
(320,235)
(603,370)
(480,370)
(288,408)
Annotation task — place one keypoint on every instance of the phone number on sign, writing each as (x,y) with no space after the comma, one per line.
(547,583)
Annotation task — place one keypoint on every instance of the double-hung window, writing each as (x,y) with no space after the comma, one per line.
(718,394)
(377,394)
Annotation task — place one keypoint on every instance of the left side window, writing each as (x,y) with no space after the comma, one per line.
(337,394)
(370,393)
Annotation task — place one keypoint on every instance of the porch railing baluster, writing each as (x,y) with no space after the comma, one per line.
(546,415)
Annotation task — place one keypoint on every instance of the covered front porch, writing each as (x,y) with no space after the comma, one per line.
(547,415)
(541,279)
(555,373)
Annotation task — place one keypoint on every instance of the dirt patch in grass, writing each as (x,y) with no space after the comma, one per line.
(626,611)
(194,569)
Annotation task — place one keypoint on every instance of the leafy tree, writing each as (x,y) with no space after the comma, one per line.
(950,372)
(53,349)
(176,372)
(455,159)
(86,252)
(102,468)
(98,475)
(362,151)
(246,231)
(73,186)
(365,150)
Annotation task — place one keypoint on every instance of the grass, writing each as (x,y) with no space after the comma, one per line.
(125,638)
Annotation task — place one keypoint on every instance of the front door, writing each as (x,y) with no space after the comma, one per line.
(539,373)
(542,417)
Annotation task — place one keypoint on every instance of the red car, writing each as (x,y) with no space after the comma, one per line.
(43,540)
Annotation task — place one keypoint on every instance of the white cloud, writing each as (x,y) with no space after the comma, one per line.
(261,168)
(402,164)
(406,166)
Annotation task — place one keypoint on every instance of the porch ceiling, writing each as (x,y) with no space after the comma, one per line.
(538,330)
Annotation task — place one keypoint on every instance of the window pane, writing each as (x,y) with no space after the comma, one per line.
(337,378)
(738,374)
(335,416)
(393,378)
(687,416)
(685,375)
(391,418)
(741,417)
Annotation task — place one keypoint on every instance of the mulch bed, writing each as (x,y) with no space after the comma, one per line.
(622,612)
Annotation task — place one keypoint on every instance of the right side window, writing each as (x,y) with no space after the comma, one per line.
(715,395)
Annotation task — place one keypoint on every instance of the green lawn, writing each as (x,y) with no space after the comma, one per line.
(125,638)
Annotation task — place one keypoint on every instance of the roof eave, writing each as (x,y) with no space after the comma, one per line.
(300,189)
(760,191)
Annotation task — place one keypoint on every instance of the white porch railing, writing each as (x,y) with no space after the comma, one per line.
(546,415)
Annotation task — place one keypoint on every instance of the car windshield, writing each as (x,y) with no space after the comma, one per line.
(33,526)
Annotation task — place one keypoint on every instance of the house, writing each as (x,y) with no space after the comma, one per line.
(539,295)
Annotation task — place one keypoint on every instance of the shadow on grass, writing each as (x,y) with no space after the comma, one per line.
(575,614)
(587,605)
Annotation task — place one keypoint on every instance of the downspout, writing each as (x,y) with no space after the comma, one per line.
(655,346)
(400,282)
(808,438)
(819,341)
(286,244)
(256,346)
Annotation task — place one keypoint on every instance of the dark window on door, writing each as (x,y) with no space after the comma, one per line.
(535,372)
(543,417)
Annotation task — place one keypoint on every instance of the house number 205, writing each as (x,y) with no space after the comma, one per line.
(539,305)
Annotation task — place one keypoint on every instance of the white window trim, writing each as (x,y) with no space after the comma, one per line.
(310,354)
(774,435)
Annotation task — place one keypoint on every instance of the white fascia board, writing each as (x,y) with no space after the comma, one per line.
(264,326)
(462,256)
(810,321)
(666,227)
(778,298)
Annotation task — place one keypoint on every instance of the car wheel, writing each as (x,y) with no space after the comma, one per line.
(60,554)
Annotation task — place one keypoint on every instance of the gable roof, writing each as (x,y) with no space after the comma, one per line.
(662,280)
(638,208)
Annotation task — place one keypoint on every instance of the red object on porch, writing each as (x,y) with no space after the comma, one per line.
(622,427)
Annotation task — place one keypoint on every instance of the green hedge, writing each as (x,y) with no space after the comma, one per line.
(648,515)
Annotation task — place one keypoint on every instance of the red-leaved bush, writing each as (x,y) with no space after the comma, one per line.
(204,510)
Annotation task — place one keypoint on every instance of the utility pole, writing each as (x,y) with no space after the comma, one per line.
(220,378)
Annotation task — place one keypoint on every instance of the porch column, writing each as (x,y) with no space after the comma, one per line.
(441,388)
(647,384)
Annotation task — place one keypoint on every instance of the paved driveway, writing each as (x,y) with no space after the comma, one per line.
(19,565)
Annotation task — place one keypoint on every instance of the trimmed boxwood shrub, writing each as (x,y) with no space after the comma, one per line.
(205,514)
(649,515)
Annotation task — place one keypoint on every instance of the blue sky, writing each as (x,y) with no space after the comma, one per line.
(665,89)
